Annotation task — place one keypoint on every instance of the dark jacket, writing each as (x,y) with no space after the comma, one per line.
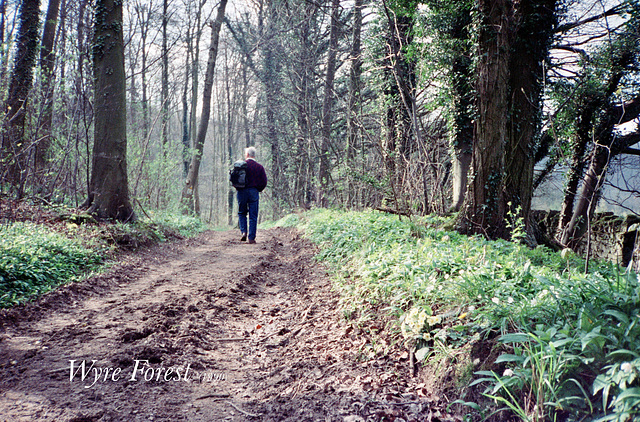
(256,176)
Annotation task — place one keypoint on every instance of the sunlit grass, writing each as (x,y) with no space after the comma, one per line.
(467,289)
(36,258)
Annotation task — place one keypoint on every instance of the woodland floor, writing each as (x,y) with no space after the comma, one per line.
(257,326)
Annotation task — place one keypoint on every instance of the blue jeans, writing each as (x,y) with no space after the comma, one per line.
(248,200)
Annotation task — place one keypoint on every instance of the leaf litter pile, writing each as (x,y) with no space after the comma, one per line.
(205,329)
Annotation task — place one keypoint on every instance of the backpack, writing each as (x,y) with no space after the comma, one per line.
(238,174)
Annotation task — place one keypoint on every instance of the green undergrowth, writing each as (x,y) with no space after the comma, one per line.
(38,257)
(563,345)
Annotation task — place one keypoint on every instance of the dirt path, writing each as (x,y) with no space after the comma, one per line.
(209,329)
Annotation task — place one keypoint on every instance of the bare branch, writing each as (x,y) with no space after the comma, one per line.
(616,10)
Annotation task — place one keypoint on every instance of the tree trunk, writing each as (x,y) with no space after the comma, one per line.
(185,114)
(462,83)
(513,43)
(145,22)
(400,140)
(578,163)
(484,208)
(327,105)
(164,97)
(47,61)
(229,139)
(81,105)
(272,87)
(14,149)
(606,146)
(189,193)
(245,100)
(195,75)
(109,188)
(305,62)
(536,22)
(353,113)
(3,53)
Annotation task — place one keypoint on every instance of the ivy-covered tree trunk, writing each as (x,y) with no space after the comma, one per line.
(577,163)
(513,43)
(484,208)
(14,150)
(400,79)
(536,21)
(462,84)
(602,110)
(607,145)
(109,187)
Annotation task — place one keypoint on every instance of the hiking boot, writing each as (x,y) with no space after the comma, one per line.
(252,241)
(244,237)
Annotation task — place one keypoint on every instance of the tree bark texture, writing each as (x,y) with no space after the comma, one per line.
(535,20)
(399,142)
(165,78)
(189,193)
(109,187)
(578,163)
(304,81)
(513,44)
(462,83)
(355,75)
(484,207)
(272,86)
(14,144)
(47,62)
(606,143)
(186,144)
(3,54)
(327,105)
(607,146)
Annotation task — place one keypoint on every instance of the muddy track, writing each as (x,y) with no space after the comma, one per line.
(210,329)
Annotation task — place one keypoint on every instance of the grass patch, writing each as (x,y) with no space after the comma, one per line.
(34,260)
(37,257)
(566,342)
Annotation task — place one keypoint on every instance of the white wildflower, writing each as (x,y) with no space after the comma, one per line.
(495,300)
(508,373)
(433,320)
(626,367)
(510,300)
(413,323)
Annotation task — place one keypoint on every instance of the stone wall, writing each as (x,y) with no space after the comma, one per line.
(613,238)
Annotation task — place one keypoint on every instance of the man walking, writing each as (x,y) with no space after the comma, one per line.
(249,196)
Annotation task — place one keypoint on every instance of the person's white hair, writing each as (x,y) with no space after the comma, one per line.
(250,152)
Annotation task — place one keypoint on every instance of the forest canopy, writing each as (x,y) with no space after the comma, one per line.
(488,108)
